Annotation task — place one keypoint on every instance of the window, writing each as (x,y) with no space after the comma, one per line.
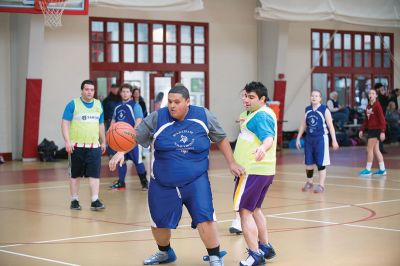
(351,60)
(144,52)
(131,41)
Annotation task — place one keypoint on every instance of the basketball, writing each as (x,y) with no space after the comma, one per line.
(121,137)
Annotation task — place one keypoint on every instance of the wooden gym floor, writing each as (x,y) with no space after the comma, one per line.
(355,222)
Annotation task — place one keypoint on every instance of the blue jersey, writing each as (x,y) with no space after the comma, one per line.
(315,121)
(181,147)
(127,112)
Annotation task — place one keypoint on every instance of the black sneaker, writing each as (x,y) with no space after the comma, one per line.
(97,205)
(75,205)
(118,185)
(143,181)
(145,186)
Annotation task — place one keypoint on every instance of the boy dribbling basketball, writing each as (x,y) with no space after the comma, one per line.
(130,112)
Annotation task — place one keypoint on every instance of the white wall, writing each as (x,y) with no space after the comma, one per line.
(5,84)
(65,66)
(298,65)
(233,59)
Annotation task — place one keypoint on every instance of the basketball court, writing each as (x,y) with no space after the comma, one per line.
(355,222)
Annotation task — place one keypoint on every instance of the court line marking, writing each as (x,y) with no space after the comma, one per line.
(277,215)
(328,184)
(225,175)
(38,258)
(334,223)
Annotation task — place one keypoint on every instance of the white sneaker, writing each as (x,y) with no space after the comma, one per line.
(236,227)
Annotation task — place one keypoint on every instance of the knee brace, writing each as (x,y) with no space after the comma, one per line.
(310,173)
(320,168)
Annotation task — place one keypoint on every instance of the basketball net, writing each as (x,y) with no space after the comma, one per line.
(52,12)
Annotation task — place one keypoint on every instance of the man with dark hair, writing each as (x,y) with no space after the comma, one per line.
(256,151)
(180,135)
(82,126)
(130,112)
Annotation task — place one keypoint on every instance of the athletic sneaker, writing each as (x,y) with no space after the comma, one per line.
(307,187)
(267,250)
(145,186)
(380,172)
(319,189)
(161,257)
(143,181)
(97,205)
(254,259)
(236,227)
(215,260)
(118,185)
(75,205)
(365,172)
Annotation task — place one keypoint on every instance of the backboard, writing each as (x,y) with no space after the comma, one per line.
(73,7)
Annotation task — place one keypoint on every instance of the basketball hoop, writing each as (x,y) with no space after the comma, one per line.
(52,11)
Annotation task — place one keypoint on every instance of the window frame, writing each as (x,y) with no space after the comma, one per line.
(352,70)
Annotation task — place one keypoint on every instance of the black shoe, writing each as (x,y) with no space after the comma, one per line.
(97,205)
(75,205)
(143,181)
(145,186)
(118,185)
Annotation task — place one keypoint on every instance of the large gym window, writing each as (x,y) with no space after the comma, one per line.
(350,62)
(152,55)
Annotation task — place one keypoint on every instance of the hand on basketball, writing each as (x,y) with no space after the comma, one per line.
(118,158)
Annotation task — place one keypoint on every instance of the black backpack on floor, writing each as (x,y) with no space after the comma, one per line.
(47,150)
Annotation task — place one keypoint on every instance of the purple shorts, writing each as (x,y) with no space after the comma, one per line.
(250,191)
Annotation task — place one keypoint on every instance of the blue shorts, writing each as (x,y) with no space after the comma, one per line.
(166,203)
(86,162)
(316,150)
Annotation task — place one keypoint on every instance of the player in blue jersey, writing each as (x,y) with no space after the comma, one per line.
(180,135)
(316,145)
(130,112)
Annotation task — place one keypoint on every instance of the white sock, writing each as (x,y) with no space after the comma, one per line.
(74,197)
(369,166)
(95,197)
(382,166)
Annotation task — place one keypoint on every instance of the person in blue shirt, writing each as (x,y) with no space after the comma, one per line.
(82,127)
(130,112)
(181,134)
(316,121)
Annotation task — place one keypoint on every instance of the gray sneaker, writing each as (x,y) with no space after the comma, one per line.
(161,257)
(307,187)
(215,260)
(319,189)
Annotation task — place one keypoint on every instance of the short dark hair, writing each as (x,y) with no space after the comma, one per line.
(378,85)
(86,81)
(258,88)
(128,86)
(181,89)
